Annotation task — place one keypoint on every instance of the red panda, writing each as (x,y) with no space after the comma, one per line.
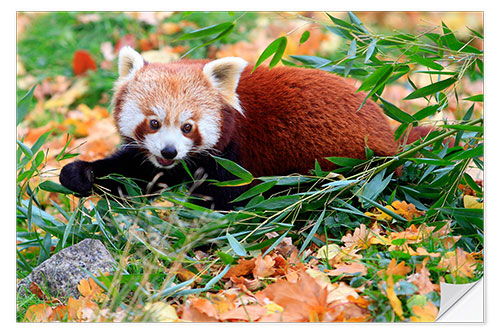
(271,122)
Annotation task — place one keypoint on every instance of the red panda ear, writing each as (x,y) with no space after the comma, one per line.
(224,75)
(129,61)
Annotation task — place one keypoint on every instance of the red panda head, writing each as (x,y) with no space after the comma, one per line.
(174,110)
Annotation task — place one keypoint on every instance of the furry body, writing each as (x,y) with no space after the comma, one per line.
(271,122)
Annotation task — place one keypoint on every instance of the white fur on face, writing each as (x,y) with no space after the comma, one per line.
(167,136)
(131,116)
(209,128)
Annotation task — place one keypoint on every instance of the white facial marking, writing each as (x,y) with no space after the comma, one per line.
(185,115)
(209,128)
(160,112)
(130,117)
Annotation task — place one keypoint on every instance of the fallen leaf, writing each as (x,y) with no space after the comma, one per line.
(472,202)
(38,313)
(348,268)
(397,269)
(264,267)
(303,300)
(160,312)
(458,263)
(245,313)
(328,251)
(244,267)
(82,62)
(393,298)
(427,313)
(421,279)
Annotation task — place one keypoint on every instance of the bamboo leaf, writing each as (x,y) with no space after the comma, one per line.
(234,168)
(23,105)
(257,189)
(236,246)
(305,36)
(431,88)
(207,31)
(270,50)
(396,113)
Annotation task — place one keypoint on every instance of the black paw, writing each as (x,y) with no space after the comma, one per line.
(78,177)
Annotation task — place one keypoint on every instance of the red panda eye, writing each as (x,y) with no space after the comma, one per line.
(186,128)
(155,124)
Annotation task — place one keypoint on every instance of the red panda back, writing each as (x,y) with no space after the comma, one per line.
(296,115)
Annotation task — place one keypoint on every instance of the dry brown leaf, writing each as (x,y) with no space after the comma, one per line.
(244,313)
(264,267)
(348,268)
(38,313)
(244,267)
(303,300)
(458,263)
(422,279)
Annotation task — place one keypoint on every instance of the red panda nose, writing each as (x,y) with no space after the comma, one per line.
(169,152)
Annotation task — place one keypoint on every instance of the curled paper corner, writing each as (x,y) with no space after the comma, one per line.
(462,302)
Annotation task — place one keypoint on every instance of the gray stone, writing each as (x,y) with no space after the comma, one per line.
(60,275)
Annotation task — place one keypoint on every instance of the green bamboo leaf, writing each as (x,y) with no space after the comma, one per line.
(370,50)
(279,53)
(376,76)
(431,88)
(305,36)
(312,232)
(207,31)
(469,153)
(396,113)
(234,168)
(236,246)
(426,62)
(426,112)
(475,98)
(469,128)
(50,186)
(345,161)
(23,105)
(226,258)
(221,35)
(26,150)
(341,28)
(270,50)
(256,190)
(357,23)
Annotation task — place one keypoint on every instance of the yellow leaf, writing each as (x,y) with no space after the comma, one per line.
(472,202)
(160,312)
(328,251)
(273,308)
(393,298)
(67,98)
(427,313)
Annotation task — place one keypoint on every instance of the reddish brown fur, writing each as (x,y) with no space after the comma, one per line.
(294,116)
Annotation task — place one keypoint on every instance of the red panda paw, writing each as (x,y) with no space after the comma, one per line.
(78,177)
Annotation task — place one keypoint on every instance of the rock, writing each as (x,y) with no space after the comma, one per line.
(60,275)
